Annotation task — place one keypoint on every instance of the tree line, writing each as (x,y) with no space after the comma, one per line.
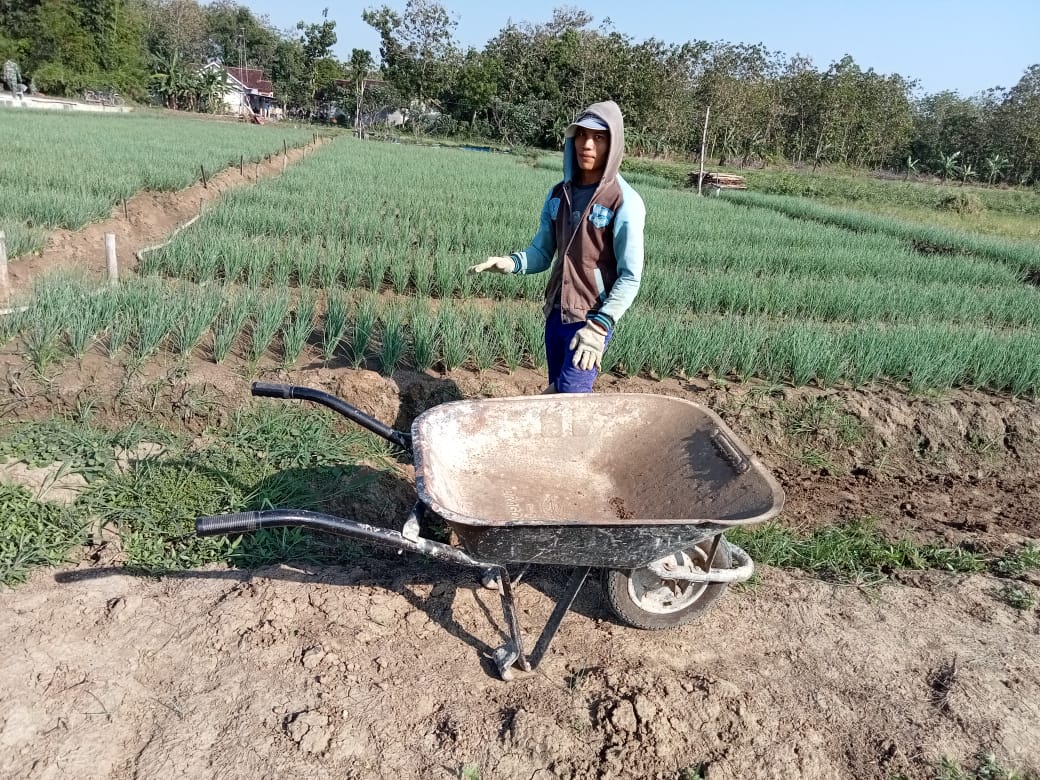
(526,83)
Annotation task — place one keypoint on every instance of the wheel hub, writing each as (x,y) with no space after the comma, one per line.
(663,595)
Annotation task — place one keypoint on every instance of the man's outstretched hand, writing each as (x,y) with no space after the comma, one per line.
(495,265)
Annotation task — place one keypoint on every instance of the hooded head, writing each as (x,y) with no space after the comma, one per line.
(598,117)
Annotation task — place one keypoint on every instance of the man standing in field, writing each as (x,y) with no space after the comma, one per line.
(592,222)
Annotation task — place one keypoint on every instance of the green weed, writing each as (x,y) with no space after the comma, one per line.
(853,552)
(988,767)
(1017,597)
(34,533)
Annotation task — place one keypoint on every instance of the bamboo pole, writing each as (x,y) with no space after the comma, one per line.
(704,143)
(110,258)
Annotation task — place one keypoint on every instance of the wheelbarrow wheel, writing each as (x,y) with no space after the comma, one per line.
(643,600)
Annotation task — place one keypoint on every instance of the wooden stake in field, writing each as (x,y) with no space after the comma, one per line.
(241,164)
(110,257)
(205,184)
(126,213)
(704,142)
(5,283)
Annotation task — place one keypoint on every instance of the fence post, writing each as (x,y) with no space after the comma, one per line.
(5,284)
(704,142)
(110,257)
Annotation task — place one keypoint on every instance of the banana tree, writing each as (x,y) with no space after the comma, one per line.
(995,167)
(948,165)
(911,166)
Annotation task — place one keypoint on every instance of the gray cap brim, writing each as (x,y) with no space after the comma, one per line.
(589,122)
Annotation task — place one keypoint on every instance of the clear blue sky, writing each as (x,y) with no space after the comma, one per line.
(961,45)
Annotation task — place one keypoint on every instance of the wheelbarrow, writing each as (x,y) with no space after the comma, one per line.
(639,486)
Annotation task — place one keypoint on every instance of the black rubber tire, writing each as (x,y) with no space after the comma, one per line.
(619,596)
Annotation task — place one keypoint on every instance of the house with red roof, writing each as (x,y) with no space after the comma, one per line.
(248,92)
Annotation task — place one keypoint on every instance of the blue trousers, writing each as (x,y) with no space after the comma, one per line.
(560,356)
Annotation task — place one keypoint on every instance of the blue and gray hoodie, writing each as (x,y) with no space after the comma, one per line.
(598,262)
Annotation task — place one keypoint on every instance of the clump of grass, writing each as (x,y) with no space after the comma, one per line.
(196,316)
(453,338)
(481,346)
(42,344)
(532,332)
(988,767)
(424,334)
(306,463)
(1015,564)
(362,328)
(268,316)
(376,271)
(335,326)
(34,533)
(445,276)
(298,329)
(257,265)
(306,264)
(118,332)
(422,274)
(152,315)
(1017,597)
(400,270)
(351,267)
(86,314)
(855,552)
(392,344)
(229,324)
(505,323)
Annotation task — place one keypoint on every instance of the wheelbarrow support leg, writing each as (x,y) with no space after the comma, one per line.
(512,653)
(578,577)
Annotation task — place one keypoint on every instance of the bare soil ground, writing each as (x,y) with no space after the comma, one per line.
(379,668)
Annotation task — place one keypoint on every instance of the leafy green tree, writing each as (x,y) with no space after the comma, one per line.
(238,37)
(358,68)
(319,66)
(417,48)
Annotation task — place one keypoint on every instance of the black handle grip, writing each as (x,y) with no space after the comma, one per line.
(271,390)
(236,523)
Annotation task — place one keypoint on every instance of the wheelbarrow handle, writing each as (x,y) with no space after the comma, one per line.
(273,390)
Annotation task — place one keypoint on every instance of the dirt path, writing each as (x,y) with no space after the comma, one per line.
(380,671)
(147,219)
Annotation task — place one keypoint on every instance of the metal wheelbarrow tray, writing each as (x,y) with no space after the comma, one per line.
(640,486)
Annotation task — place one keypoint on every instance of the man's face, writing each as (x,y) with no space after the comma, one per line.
(591,148)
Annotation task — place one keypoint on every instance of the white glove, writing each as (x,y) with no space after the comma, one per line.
(496,265)
(588,345)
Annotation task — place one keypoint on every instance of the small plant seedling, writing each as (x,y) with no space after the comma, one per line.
(1017,597)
